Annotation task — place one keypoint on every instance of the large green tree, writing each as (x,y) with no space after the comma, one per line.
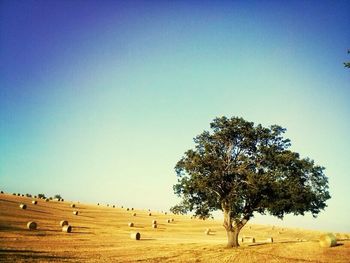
(243,169)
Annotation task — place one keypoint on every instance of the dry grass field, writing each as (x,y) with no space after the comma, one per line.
(101,234)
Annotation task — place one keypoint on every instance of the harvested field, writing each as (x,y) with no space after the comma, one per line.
(101,234)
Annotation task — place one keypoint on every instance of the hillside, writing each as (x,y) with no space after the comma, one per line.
(101,234)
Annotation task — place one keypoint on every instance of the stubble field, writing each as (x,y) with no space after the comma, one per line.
(101,234)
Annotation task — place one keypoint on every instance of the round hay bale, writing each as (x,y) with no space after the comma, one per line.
(131,224)
(172,220)
(154,221)
(270,240)
(34,202)
(72,205)
(98,203)
(150,214)
(135,236)
(18,194)
(127,209)
(132,209)
(64,223)
(168,220)
(31,225)
(154,226)
(75,213)
(328,240)
(62,200)
(165,213)
(207,231)
(67,228)
(113,206)
(134,214)
(23,206)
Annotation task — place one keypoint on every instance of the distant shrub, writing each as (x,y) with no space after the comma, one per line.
(42,196)
(57,196)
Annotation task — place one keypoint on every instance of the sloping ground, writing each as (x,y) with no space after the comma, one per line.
(102,234)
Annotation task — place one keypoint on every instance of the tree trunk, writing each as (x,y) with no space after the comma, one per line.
(232,238)
(233,231)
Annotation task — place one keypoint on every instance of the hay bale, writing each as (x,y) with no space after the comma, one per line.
(72,205)
(172,220)
(165,213)
(75,213)
(113,206)
(98,203)
(134,214)
(154,226)
(168,220)
(127,209)
(207,231)
(150,214)
(23,206)
(154,221)
(18,194)
(132,209)
(67,228)
(328,240)
(131,224)
(31,225)
(34,202)
(135,236)
(62,200)
(64,223)
(47,200)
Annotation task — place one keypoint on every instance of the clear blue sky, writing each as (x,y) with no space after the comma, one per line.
(100,99)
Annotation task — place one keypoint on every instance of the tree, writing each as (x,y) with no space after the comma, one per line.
(243,169)
(42,196)
(57,196)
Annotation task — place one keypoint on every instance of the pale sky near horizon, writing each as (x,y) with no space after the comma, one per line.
(100,99)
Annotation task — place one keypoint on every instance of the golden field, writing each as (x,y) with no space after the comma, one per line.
(102,234)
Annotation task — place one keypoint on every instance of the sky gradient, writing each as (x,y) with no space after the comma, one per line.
(100,99)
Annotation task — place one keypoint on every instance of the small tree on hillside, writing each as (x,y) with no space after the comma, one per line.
(243,169)
(57,196)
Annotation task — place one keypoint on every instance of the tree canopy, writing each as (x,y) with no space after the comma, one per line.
(242,169)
